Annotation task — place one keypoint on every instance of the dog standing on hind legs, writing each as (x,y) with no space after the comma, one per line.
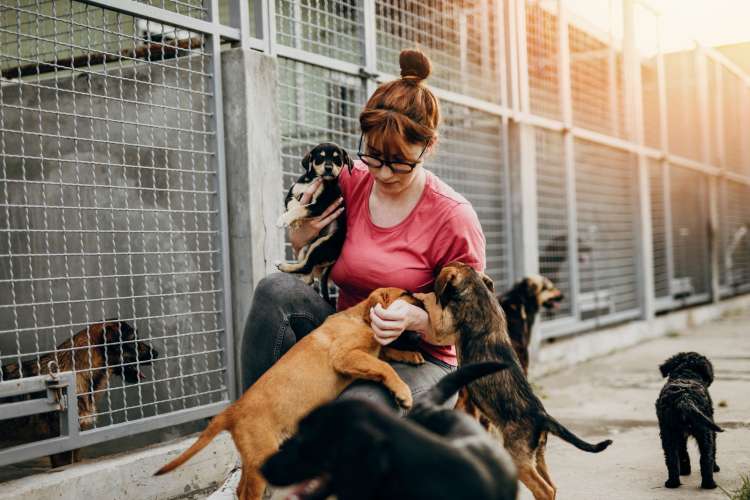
(684,409)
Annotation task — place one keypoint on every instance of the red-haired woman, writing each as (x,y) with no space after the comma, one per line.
(403,224)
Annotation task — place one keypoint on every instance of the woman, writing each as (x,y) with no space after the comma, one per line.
(403,225)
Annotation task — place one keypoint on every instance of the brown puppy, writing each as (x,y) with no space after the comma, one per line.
(521,304)
(314,371)
(95,354)
(464,311)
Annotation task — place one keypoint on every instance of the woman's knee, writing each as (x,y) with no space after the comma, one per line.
(275,286)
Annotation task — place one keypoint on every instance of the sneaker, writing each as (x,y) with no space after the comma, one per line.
(228,490)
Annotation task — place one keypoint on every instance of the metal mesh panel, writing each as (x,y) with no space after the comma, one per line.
(735,237)
(689,232)
(553,216)
(458,36)
(659,228)
(606,215)
(543,52)
(316,105)
(108,199)
(734,134)
(332,28)
(647,45)
(469,159)
(682,104)
(596,72)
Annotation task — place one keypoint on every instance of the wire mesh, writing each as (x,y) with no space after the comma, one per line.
(108,201)
(460,38)
(469,158)
(734,136)
(552,202)
(596,70)
(606,215)
(657,184)
(735,237)
(690,227)
(542,47)
(332,28)
(192,8)
(715,134)
(682,104)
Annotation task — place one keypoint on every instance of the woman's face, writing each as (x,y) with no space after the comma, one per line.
(394,183)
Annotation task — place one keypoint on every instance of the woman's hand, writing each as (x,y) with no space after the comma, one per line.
(308,229)
(389,324)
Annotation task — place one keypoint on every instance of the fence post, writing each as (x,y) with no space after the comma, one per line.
(254,174)
(634,124)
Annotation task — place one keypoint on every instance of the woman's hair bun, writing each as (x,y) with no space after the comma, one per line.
(414,65)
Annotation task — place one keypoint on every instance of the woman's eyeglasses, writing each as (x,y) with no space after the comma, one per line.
(396,166)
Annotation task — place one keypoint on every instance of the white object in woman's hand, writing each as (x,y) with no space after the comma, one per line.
(389,324)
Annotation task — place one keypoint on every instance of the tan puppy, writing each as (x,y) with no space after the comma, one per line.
(314,371)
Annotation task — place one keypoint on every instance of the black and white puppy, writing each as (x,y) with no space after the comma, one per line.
(358,450)
(314,260)
(684,409)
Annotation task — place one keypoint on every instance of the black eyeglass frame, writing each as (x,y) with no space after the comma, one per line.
(389,163)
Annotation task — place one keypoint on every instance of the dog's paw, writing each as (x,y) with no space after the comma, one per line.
(403,397)
(282,220)
(708,484)
(717,468)
(672,483)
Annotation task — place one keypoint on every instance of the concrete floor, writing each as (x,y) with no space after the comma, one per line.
(613,397)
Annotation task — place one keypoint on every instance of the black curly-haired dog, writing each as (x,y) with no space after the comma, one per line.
(684,409)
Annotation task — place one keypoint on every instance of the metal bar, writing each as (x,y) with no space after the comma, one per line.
(566,106)
(24,408)
(568,326)
(239,18)
(371,41)
(223,215)
(634,121)
(148,12)
(24,385)
(668,232)
(727,63)
(718,103)
(502,55)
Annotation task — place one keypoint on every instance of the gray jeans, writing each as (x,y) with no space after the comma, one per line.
(284,310)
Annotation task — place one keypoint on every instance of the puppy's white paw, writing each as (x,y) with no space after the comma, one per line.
(278,263)
(281,221)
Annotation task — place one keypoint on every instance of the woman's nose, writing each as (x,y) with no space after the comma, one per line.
(385,173)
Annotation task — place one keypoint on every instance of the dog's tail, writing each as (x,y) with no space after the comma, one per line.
(219,423)
(453,382)
(563,433)
(696,416)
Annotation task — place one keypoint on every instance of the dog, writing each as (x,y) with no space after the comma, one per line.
(684,409)
(314,371)
(464,311)
(521,305)
(95,354)
(357,450)
(315,260)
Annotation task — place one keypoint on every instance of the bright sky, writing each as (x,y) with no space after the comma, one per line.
(712,22)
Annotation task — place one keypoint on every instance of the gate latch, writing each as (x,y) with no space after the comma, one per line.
(54,386)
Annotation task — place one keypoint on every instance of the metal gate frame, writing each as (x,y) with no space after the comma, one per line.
(71,436)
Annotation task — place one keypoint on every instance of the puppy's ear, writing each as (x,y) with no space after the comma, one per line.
(363,460)
(112,333)
(445,291)
(379,296)
(347,161)
(488,282)
(669,365)
(306,161)
(705,369)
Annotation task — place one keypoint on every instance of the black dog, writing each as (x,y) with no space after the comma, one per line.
(684,409)
(521,305)
(362,451)
(316,259)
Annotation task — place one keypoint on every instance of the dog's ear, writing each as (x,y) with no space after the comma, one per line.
(669,365)
(445,291)
(347,161)
(363,461)
(379,296)
(487,281)
(306,161)
(112,333)
(703,367)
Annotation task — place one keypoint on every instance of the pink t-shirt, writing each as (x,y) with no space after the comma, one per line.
(441,228)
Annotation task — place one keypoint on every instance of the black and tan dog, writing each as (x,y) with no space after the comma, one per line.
(95,354)
(521,304)
(684,409)
(325,161)
(357,450)
(464,311)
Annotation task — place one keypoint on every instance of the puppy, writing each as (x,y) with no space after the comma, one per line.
(357,450)
(684,409)
(315,259)
(95,354)
(464,311)
(314,371)
(521,305)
